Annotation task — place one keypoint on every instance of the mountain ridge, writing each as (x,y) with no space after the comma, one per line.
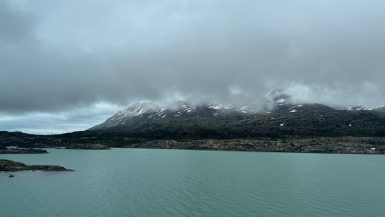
(283,118)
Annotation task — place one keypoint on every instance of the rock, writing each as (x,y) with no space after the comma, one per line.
(87,146)
(8,165)
(11,176)
(22,151)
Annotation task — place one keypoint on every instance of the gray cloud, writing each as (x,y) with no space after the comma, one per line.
(15,24)
(60,55)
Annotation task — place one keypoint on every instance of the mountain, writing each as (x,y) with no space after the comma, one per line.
(146,111)
(279,117)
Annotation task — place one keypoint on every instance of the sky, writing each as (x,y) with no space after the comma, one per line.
(67,65)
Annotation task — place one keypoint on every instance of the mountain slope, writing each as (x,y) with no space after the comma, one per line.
(283,118)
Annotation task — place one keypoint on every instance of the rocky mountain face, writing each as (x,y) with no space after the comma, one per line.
(278,102)
(152,112)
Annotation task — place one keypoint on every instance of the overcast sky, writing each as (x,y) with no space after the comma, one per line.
(68,64)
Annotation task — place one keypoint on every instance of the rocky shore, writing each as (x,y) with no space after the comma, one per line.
(22,151)
(13,166)
(337,145)
(284,143)
(87,146)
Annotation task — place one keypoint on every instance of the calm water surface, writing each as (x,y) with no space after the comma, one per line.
(137,182)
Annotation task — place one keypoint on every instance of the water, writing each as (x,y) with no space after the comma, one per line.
(137,182)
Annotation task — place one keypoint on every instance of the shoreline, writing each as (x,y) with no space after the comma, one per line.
(329,145)
(240,151)
(19,150)
(326,145)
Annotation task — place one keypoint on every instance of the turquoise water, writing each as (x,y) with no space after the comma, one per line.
(138,182)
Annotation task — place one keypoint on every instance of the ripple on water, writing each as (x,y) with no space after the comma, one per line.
(135,182)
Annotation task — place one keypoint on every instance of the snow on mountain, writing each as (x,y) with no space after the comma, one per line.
(276,98)
(182,109)
(139,109)
(133,110)
(361,108)
(178,109)
(179,105)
